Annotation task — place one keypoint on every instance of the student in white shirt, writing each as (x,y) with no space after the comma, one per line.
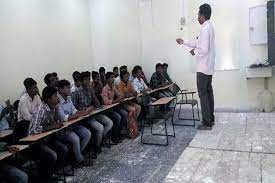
(77,83)
(28,104)
(204,50)
(138,82)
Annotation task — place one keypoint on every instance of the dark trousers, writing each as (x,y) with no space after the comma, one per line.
(21,130)
(204,84)
(47,158)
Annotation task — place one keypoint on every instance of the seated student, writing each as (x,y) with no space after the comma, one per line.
(51,80)
(139,85)
(102,76)
(55,77)
(45,119)
(28,104)
(84,98)
(97,86)
(111,95)
(9,173)
(77,82)
(134,75)
(166,75)
(115,71)
(4,119)
(158,80)
(78,136)
(118,79)
(127,90)
(144,78)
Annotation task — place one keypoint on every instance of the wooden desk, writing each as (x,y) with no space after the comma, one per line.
(34,138)
(7,154)
(6,133)
(104,108)
(162,101)
(161,88)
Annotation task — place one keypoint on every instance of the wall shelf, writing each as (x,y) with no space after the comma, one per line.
(261,72)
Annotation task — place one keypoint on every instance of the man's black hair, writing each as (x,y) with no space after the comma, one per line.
(136,68)
(84,75)
(164,65)
(94,74)
(101,69)
(47,78)
(108,75)
(205,10)
(115,68)
(76,76)
(124,67)
(158,65)
(48,92)
(123,73)
(29,82)
(62,83)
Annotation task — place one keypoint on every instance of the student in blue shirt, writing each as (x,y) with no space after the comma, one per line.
(78,135)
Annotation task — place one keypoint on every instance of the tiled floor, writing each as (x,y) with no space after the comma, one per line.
(240,148)
(133,162)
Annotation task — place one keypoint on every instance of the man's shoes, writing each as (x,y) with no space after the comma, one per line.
(204,127)
(86,162)
(115,141)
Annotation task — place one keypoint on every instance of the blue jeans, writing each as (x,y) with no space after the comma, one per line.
(77,137)
(12,174)
(101,124)
(116,117)
(124,116)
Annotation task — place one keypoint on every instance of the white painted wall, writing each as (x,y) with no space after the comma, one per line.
(41,36)
(230,20)
(115,33)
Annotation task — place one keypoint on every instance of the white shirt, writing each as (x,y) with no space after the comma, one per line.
(117,81)
(27,107)
(139,85)
(73,88)
(205,49)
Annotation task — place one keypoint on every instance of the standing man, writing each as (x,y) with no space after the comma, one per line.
(204,49)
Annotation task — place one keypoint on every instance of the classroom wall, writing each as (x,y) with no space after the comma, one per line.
(41,36)
(160,28)
(115,33)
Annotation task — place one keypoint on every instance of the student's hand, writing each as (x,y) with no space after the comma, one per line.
(192,52)
(90,109)
(169,82)
(78,115)
(12,149)
(118,100)
(179,41)
(59,125)
(127,95)
(56,126)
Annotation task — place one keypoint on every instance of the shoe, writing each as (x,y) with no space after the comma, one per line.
(115,141)
(86,162)
(204,127)
(91,154)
